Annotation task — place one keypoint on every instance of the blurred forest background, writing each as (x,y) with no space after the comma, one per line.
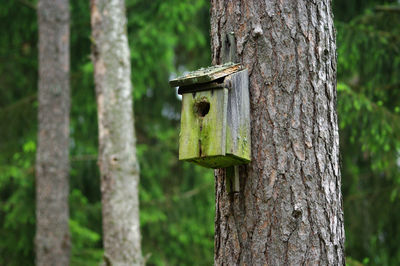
(177,199)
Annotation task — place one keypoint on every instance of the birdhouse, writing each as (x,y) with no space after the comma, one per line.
(215,118)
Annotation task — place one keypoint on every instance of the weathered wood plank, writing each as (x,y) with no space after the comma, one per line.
(205,75)
(238,116)
(203,134)
(200,87)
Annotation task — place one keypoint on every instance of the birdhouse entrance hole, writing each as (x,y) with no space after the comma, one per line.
(202,108)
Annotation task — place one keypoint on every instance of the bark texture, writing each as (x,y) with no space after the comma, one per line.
(289,208)
(52,241)
(117,152)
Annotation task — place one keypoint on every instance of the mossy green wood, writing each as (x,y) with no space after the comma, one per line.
(203,135)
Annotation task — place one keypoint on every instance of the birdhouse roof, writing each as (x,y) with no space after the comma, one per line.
(205,75)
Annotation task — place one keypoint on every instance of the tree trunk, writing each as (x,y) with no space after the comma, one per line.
(117,151)
(52,159)
(289,208)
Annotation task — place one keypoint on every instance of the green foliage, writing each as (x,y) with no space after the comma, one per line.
(18,57)
(368,107)
(156,29)
(17,213)
(352,262)
(86,248)
(176,199)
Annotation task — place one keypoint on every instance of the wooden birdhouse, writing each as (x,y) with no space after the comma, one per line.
(215,118)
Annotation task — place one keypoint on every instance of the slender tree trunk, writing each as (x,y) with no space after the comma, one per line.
(117,151)
(52,159)
(289,208)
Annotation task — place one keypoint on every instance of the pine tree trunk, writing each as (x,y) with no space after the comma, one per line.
(289,208)
(119,167)
(52,239)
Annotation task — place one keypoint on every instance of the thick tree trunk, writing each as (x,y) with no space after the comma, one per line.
(52,159)
(117,152)
(289,208)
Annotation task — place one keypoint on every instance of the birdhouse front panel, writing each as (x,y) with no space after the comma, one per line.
(203,124)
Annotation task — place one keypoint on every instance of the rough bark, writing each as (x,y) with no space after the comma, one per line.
(52,241)
(289,208)
(119,167)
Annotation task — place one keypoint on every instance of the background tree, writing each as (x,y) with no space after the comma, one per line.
(52,158)
(119,167)
(289,208)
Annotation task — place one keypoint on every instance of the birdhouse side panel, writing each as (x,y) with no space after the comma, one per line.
(238,117)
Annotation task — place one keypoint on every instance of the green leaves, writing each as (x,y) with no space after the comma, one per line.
(86,243)
(156,30)
(17,209)
(368,109)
